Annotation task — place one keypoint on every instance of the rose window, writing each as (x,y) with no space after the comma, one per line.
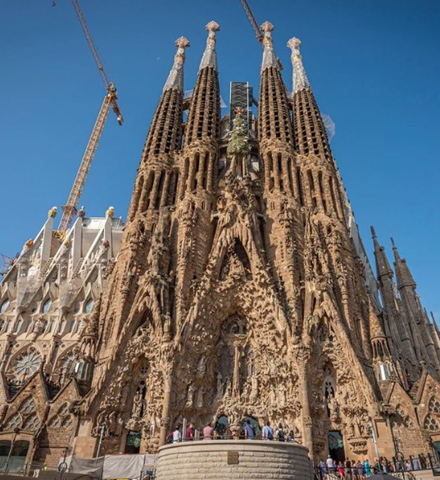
(26,365)
(14,422)
(430,423)
(32,423)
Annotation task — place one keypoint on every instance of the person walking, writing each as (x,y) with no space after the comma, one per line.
(267,431)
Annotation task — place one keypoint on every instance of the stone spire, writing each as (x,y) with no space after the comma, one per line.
(209,58)
(299,76)
(396,326)
(403,275)
(204,110)
(310,135)
(175,78)
(383,266)
(153,185)
(269,57)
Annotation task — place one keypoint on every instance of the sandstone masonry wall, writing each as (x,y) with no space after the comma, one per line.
(244,460)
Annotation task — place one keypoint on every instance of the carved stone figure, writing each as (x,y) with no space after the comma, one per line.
(230,292)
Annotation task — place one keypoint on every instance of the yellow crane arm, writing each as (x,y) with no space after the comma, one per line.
(89,38)
(251,18)
(70,209)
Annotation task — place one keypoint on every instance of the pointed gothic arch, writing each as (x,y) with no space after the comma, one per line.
(65,365)
(235,259)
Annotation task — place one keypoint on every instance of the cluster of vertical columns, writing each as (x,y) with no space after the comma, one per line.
(319,185)
(413,311)
(275,130)
(198,164)
(199,156)
(156,182)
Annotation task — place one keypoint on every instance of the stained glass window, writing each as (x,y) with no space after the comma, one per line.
(4,306)
(28,406)
(47,305)
(14,422)
(434,406)
(31,423)
(430,423)
(88,307)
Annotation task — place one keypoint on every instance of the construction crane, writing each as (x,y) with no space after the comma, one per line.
(254,23)
(110,101)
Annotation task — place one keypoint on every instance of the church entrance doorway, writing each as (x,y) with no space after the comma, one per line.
(133,442)
(336,446)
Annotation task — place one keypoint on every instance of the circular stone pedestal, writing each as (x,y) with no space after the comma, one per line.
(233,459)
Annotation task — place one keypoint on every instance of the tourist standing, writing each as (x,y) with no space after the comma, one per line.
(348,470)
(329,463)
(189,434)
(267,431)
(249,432)
(321,469)
(177,436)
(280,433)
(367,468)
(208,432)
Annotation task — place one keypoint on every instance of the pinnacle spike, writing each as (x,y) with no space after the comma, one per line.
(175,78)
(299,76)
(269,57)
(209,58)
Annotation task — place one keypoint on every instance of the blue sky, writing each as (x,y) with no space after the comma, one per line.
(374,66)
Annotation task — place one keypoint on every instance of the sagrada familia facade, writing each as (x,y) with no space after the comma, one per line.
(239,287)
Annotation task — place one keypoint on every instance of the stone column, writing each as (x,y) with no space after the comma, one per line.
(303,356)
(164,424)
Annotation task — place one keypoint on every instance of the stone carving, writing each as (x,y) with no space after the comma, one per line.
(236,292)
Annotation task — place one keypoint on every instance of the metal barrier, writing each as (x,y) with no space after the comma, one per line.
(400,468)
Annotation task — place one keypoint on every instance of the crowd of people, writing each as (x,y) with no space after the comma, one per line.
(358,470)
(248,432)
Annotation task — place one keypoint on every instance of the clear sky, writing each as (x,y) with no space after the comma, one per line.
(374,66)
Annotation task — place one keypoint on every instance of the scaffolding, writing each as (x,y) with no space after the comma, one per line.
(241,96)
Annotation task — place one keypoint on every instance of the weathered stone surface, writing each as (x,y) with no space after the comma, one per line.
(256,460)
(240,288)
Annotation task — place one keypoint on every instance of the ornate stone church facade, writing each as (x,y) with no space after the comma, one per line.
(239,288)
